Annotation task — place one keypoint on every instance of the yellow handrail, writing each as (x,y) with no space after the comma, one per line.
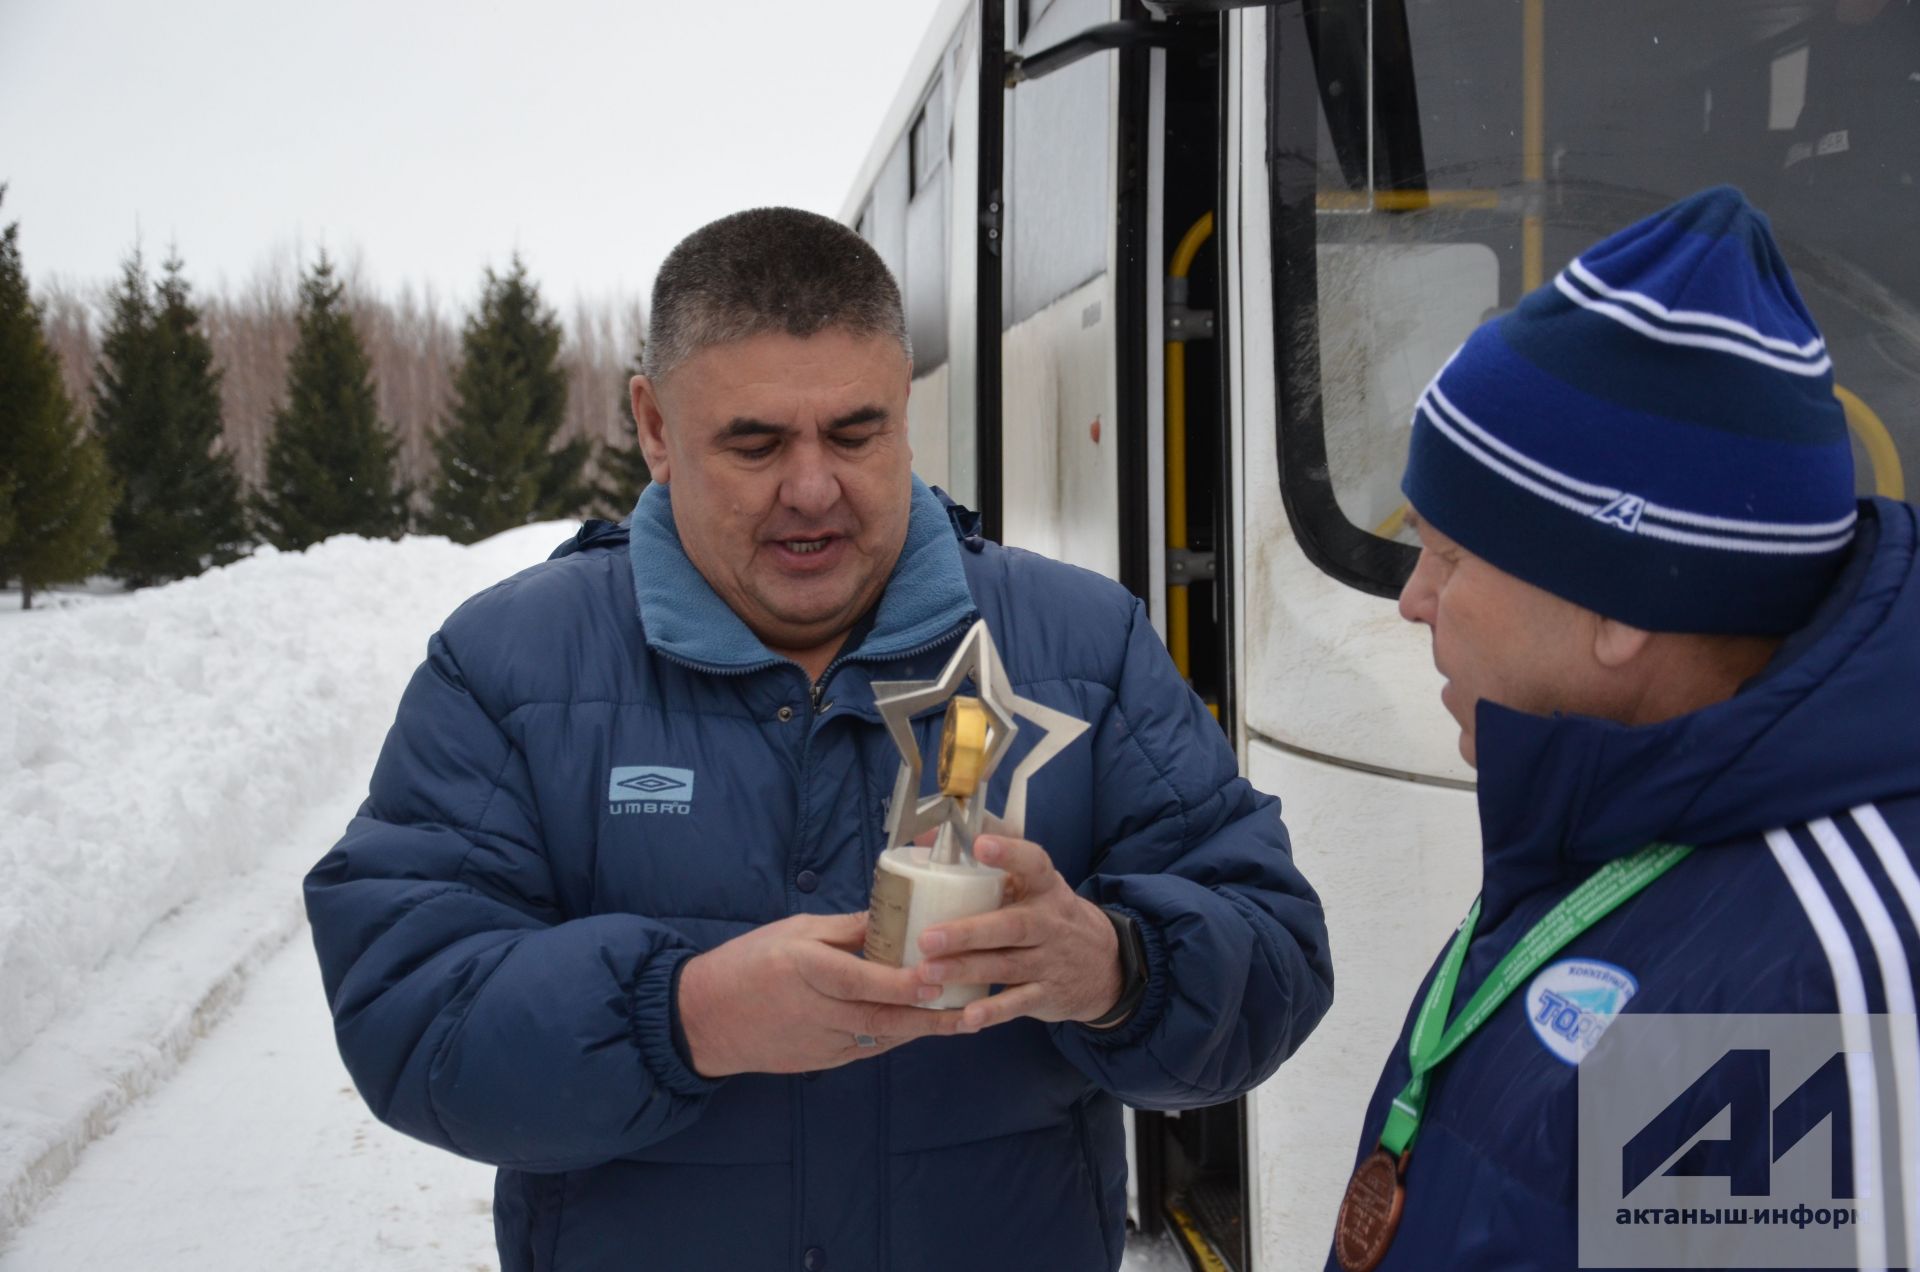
(1179,631)
(1882,454)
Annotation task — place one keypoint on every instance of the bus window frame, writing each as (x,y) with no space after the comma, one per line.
(1352,555)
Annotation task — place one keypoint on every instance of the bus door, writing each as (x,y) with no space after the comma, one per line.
(1112,448)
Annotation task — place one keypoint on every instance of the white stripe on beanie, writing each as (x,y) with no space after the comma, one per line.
(1695,317)
(1725,334)
(1656,521)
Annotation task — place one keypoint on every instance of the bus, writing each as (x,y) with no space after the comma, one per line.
(1175,273)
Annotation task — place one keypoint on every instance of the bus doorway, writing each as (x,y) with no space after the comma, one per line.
(1191,1167)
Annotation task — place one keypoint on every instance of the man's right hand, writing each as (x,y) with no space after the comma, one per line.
(792,996)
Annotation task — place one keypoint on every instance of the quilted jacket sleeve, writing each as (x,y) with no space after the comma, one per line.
(1238,966)
(470,1012)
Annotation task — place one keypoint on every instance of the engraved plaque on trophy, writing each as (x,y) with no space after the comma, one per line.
(917,886)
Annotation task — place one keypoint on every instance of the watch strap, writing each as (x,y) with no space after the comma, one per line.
(1133,970)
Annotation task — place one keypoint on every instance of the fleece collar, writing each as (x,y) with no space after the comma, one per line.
(684,618)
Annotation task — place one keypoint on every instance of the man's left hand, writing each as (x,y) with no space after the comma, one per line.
(1054,951)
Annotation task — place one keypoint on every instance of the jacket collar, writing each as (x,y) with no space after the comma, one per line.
(1821,728)
(684,618)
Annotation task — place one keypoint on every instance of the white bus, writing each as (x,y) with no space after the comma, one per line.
(1175,274)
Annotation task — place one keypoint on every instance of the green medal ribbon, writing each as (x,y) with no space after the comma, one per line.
(1579,910)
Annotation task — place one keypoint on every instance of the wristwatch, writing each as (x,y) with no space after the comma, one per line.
(1133,970)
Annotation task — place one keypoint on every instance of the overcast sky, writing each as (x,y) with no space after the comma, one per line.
(435,137)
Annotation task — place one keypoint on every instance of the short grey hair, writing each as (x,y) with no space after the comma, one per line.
(769,270)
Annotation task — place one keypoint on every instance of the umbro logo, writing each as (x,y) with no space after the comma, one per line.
(649,788)
(653,782)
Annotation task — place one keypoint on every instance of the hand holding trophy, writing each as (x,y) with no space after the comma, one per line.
(917,886)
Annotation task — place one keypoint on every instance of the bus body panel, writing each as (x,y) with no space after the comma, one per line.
(927,431)
(1060,477)
(1396,866)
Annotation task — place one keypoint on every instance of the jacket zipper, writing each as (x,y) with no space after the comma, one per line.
(820,686)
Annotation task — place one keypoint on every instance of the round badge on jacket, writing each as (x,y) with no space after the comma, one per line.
(1571,1003)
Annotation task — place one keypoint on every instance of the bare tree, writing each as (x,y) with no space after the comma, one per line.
(253,331)
(69,311)
(413,344)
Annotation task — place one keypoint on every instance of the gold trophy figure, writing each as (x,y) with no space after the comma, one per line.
(918,886)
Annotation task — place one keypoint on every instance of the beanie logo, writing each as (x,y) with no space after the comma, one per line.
(1623,513)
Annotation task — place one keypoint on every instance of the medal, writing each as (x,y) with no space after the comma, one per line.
(1369,1213)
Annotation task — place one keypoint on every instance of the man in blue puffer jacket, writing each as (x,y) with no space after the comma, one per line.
(1665,624)
(597,921)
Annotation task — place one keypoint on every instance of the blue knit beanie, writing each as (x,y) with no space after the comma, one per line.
(1653,435)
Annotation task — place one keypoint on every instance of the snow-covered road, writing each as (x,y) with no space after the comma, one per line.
(260,1154)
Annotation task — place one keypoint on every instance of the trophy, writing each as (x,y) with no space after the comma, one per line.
(916,886)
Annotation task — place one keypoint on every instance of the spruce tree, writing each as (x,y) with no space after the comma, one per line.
(330,463)
(498,465)
(55,495)
(623,469)
(157,409)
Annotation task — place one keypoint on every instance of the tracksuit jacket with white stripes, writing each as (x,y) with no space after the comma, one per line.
(1802,796)
(600,772)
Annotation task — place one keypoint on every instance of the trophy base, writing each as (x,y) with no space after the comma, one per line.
(912,893)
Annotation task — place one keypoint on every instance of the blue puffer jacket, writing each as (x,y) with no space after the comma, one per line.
(1802,796)
(499,929)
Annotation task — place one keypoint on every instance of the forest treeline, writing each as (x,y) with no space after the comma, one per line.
(149,431)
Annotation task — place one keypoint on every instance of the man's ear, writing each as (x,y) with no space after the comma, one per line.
(1615,644)
(651,426)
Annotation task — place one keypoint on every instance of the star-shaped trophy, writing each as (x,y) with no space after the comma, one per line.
(916,886)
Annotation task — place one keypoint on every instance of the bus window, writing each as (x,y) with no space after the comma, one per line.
(1432,162)
(928,211)
(1058,188)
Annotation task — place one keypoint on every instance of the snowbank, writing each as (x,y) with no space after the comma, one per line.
(154,745)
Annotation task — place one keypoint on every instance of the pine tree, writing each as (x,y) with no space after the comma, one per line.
(330,463)
(55,495)
(498,465)
(623,469)
(157,409)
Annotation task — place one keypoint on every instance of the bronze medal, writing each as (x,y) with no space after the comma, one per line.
(1369,1213)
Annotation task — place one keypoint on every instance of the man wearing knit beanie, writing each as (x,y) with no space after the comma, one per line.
(1682,658)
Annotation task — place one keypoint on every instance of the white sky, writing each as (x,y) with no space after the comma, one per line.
(432,137)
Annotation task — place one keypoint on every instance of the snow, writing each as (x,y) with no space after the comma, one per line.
(156,743)
(284,1168)
(171,762)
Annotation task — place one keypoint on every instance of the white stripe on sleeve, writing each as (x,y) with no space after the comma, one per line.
(1870,1240)
(1899,867)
